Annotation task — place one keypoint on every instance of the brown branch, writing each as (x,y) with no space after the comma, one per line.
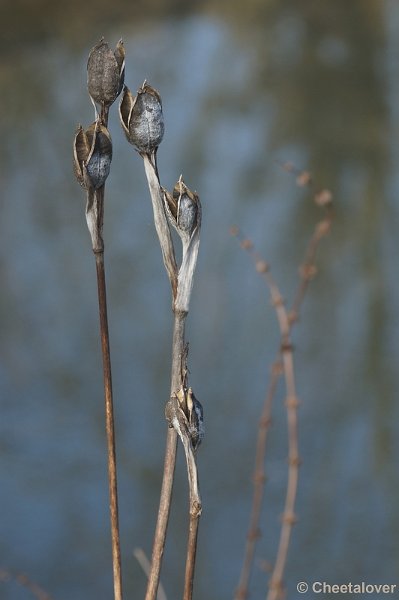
(291,404)
(109,421)
(282,364)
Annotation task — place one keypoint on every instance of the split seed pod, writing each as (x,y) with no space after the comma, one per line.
(183,209)
(142,119)
(92,155)
(106,72)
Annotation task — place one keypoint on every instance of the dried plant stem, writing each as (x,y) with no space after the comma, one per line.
(178,351)
(307,273)
(283,364)
(109,421)
(145,564)
(287,360)
(259,480)
(160,220)
(195,509)
(163,515)
(288,517)
(191,555)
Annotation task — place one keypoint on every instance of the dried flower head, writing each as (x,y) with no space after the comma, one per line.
(105,72)
(92,155)
(142,119)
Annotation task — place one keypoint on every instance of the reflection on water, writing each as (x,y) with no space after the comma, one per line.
(314,85)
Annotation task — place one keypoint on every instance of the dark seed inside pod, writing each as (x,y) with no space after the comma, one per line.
(147,124)
(187,214)
(99,163)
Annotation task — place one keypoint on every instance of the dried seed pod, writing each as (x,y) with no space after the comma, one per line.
(142,119)
(183,209)
(92,155)
(105,72)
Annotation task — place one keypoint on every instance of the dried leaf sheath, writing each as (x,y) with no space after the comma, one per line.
(161,223)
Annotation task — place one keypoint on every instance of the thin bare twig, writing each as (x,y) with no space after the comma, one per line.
(283,364)
(288,518)
(259,479)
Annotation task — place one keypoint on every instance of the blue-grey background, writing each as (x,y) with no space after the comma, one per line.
(244,84)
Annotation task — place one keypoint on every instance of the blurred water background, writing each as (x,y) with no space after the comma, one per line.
(243,86)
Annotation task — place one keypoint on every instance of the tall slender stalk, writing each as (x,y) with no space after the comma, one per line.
(177,412)
(109,425)
(191,555)
(142,121)
(92,153)
(178,349)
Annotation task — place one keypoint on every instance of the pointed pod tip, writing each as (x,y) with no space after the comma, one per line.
(142,88)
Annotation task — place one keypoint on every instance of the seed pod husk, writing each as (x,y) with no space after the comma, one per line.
(183,209)
(92,155)
(105,72)
(142,118)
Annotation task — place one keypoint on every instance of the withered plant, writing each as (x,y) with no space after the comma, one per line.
(92,155)
(142,121)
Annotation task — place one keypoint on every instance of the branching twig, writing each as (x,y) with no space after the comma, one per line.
(284,364)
